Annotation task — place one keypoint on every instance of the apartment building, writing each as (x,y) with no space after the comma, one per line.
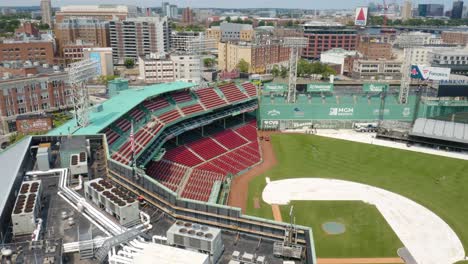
(159,69)
(137,37)
(105,12)
(455,37)
(30,49)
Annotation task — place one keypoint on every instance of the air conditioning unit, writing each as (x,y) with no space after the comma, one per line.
(79,163)
(26,208)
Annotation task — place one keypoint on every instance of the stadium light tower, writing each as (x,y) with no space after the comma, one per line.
(198,46)
(79,73)
(295,44)
(405,77)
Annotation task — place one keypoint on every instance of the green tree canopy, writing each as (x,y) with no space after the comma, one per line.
(129,63)
(243,66)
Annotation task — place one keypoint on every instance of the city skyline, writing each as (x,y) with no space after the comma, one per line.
(295,4)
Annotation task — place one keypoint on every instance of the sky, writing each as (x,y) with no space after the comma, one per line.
(304,4)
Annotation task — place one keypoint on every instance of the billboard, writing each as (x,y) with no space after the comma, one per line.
(275,87)
(320,87)
(270,124)
(429,73)
(27,125)
(452,88)
(361,16)
(375,87)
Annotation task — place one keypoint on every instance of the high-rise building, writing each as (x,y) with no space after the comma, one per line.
(171,11)
(457,10)
(174,11)
(46,12)
(430,10)
(326,36)
(140,36)
(187,15)
(406,10)
(89,30)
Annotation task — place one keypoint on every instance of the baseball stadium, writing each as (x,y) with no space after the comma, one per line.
(241,158)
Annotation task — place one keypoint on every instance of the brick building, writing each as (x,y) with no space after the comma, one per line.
(374,48)
(455,37)
(28,89)
(89,30)
(187,15)
(326,36)
(260,57)
(28,29)
(42,51)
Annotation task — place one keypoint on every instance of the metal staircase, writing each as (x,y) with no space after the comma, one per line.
(101,253)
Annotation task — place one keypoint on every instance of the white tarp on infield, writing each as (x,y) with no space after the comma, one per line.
(429,239)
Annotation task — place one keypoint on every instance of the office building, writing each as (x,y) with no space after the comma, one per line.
(430,10)
(181,40)
(46,12)
(455,59)
(457,10)
(137,37)
(412,39)
(100,12)
(326,36)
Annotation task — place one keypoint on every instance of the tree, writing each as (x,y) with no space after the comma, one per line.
(43,26)
(261,23)
(129,63)
(209,62)
(270,24)
(228,19)
(243,66)
(275,71)
(283,72)
(289,23)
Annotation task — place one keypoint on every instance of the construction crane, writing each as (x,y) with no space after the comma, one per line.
(385,10)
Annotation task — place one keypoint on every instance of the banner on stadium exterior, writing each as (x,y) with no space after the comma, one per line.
(361,16)
(375,87)
(275,87)
(320,87)
(429,73)
(452,88)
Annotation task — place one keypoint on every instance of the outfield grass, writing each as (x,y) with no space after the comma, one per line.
(438,183)
(367,233)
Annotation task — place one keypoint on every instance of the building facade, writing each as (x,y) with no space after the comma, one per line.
(339,57)
(40,90)
(154,69)
(377,69)
(100,12)
(88,30)
(323,37)
(455,59)
(455,37)
(103,56)
(137,37)
(234,31)
(42,51)
(260,57)
(413,39)
(373,49)
(181,40)
(406,10)
(46,12)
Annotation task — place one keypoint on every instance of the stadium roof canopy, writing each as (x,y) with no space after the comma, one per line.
(116,107)
(442,130)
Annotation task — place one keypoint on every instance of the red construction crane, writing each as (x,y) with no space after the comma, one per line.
(385,9)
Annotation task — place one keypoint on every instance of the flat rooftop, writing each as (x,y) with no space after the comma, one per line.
(116,107)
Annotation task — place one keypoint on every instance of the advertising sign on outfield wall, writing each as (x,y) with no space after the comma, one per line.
(375,87)
(320,87)
(276,87)
(271,124)
(430,73)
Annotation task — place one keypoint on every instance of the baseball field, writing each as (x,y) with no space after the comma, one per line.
(438,183)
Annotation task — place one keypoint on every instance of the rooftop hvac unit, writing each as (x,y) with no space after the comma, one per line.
(198,237)
(115,201)
(26,208)
(79,163)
